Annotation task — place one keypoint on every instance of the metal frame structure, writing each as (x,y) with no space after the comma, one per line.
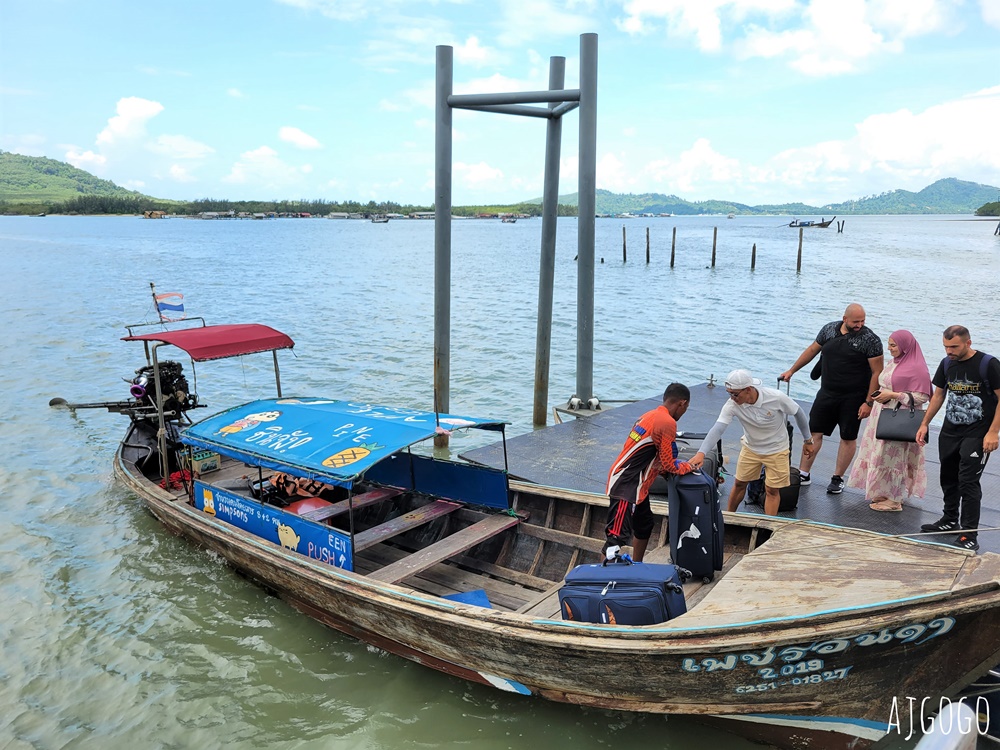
(559,101)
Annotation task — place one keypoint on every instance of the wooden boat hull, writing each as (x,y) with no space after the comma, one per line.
(829,680)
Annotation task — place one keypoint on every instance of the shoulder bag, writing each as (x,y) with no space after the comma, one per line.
(898,424)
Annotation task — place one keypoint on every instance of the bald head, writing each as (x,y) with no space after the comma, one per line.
(854,318)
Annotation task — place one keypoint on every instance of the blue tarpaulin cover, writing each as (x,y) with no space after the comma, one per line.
(333,441)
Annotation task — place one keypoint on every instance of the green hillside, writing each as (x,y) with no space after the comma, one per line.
(35,179)
(948,196)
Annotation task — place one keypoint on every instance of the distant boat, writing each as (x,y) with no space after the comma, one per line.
(380,219)
(816,224)
(509,220)
(731,216)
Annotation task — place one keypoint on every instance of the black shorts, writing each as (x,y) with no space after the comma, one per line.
(626,519)
(831,410)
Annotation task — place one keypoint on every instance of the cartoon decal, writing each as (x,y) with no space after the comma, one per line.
(288,538)
(209,503)
(351,455)
(250,420)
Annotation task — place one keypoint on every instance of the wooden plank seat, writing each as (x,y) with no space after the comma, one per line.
(358,501)
(444,549)
(392,527)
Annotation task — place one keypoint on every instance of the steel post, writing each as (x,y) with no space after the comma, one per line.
(547,262)
(587,209)
(442,233)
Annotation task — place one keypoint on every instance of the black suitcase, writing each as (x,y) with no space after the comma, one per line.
(622,594)
(789,495)
(696,525)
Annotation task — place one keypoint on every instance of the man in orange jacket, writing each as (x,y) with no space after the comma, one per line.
(649,451)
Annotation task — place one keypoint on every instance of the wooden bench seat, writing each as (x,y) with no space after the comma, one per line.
(358,501)
(418,517)
(446,548)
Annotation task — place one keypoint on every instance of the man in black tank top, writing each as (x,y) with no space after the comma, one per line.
(970,380)
(850,366)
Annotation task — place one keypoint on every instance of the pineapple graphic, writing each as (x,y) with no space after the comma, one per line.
(350,455)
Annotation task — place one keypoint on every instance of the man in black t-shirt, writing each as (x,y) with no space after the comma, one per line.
(971,382)
(850,366)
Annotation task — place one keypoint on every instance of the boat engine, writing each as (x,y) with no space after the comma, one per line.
(176,396)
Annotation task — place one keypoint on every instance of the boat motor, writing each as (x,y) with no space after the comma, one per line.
(176,396)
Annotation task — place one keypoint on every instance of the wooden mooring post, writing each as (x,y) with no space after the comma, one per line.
(798,263)
(673,247)
(647,246)
(624,251)
(715,237)
(753,257)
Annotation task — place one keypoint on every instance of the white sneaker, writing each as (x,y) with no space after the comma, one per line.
(805,478)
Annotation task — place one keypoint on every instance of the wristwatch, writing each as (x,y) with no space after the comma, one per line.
(869,403)
(807,442)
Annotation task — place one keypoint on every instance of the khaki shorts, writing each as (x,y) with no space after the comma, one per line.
(776,464)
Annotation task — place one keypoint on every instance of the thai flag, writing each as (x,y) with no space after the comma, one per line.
(170,305)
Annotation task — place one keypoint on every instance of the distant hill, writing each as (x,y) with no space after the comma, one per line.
(947,196)
(36,179)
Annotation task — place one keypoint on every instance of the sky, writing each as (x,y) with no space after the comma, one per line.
(755,101)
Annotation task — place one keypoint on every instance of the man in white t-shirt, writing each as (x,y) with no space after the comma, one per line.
(763,413)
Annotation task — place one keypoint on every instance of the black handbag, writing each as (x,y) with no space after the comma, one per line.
(898,424)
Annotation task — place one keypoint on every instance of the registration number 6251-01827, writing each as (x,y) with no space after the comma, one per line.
(777,678)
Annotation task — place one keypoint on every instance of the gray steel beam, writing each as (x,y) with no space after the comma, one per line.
(508,109)
(442,233)
(516,97)
(585,219)
(547,262)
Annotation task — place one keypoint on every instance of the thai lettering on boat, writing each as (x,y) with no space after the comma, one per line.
(792,654)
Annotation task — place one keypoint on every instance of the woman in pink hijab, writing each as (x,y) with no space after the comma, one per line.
(887,470)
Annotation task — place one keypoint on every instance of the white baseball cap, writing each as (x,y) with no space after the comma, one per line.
(738,379)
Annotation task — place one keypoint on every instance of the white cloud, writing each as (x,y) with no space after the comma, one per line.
(991,12)
(298,138)
(338,10)
(817,37)
(180,147)
(180,174)
(471,53)
(130,122)
(86,160)
(261,168)
(477,175)
(524,21)
(902,149)
(236,93)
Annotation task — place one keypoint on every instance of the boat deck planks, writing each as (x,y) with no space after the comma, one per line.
(399,524)
(446,548)
(854,573)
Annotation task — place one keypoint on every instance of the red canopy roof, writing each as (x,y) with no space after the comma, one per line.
(219,342)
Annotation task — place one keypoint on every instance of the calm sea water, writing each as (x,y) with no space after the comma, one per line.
(117,635)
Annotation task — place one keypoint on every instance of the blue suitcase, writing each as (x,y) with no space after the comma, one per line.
(622,594)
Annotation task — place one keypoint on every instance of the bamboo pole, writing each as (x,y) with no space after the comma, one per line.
(753,257)
(715,236)
(673,247)
(624,251)
(647,246)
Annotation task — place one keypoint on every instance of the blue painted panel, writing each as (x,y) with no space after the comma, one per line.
(297,534)
(465,483)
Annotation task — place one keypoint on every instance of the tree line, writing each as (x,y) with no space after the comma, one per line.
(137,204)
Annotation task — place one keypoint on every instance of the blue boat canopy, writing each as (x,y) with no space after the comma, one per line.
(333,441)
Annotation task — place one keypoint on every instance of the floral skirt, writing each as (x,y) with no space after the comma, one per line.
(888,468)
